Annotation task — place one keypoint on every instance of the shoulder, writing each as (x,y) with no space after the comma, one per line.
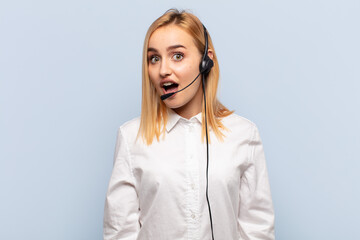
(129,129)
(131,125)
(239,126)
(236,120)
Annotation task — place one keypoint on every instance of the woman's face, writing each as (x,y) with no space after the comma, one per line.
(173,63)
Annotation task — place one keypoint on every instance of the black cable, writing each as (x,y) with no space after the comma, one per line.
(189,84)
(207,158)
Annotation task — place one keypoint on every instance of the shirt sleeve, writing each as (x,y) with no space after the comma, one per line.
(256,213)
(121,214)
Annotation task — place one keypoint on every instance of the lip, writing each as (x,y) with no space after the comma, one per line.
(165,81)
(169,91)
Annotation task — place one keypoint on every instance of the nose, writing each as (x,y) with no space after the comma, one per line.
(165,69)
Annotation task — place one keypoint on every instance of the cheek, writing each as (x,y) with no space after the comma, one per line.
(152,75)
(187,71)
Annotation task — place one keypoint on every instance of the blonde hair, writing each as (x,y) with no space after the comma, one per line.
(153,110)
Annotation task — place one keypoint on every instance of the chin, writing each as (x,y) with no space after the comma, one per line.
(174,105)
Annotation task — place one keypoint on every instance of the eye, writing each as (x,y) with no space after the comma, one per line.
(178,56)
(154,59)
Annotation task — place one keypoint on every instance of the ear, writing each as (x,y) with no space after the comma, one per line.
(211,54)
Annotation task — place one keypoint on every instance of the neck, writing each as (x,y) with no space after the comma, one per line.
(187,114)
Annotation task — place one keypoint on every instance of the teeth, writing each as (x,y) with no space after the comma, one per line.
(167,84)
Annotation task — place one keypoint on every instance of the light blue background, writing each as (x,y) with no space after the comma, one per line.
(70,74)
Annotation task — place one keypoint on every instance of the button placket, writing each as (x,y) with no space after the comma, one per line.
(192,181)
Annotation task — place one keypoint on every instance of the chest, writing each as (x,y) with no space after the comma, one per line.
(180,161)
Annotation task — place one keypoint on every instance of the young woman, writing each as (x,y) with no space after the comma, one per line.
(167,182)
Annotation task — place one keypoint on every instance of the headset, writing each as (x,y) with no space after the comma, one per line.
(205,66)
(206,63)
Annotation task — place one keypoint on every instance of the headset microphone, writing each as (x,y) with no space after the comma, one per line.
(165,96)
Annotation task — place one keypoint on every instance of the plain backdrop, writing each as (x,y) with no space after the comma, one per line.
(70,75)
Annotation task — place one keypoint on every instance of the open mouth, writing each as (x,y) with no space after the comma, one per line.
(170,87)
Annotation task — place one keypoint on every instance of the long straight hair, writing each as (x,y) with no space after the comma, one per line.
(153,110)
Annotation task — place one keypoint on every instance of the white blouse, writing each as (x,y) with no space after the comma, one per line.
(157,192)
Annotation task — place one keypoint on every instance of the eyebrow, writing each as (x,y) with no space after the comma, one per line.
(168,48)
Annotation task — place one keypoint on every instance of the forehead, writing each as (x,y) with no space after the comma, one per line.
(170,35)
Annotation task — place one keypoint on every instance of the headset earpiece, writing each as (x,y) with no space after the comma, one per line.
(206,62)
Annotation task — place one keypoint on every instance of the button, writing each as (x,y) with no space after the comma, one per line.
(193,186)
(193,216)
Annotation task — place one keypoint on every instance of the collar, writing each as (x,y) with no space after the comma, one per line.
(174,118)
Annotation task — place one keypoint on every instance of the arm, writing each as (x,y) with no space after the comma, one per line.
(256,214)
(122,205)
